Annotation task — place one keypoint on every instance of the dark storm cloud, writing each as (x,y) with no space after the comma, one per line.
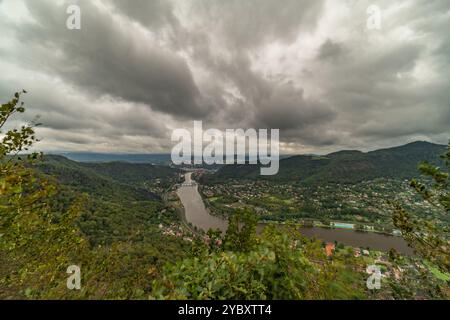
(104,58)
(254,22)
(154,14)
(287,108)
(65,110)
(329,50)
(138,69)
(222,40)
(386,104)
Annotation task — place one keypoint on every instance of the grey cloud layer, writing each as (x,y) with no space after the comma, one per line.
(103,57)
(139,68)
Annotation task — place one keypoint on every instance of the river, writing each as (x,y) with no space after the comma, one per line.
(197,214)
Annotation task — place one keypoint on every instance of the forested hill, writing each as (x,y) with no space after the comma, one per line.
(343,166)
(107,179)
(122,201)
(157,159)
(134,173)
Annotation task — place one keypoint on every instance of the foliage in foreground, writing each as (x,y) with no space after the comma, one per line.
(279,264)
(428,239)
(33,250)
(40,237)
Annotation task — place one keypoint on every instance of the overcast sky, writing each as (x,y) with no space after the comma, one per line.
(139,69)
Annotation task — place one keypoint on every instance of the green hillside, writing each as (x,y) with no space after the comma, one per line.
(117,204)
(343,166)
(107,180)
(132,173)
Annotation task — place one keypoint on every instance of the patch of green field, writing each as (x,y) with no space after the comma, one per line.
(289,201)
(437,273)
(275,199)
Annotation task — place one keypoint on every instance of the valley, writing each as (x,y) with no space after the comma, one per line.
(142,223)
(197,215)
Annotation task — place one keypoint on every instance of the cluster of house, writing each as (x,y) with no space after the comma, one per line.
(330,247)
(175,231)
(381,260)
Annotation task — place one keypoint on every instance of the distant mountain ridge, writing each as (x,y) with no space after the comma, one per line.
(348,166)
(93,157)
(106,179)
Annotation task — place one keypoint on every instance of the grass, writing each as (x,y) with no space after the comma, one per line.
(213,199)
(436,272)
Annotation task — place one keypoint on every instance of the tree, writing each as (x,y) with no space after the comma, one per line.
(34,250)
(281,265)
(426,237)
(241,232)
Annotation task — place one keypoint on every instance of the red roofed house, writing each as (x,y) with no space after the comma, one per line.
(329,249)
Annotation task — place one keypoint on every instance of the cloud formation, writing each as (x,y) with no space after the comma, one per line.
(138,69)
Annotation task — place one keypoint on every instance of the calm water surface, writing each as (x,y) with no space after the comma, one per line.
(197,214)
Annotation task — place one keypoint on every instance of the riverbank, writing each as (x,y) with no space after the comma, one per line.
(306,222)
(197,214)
